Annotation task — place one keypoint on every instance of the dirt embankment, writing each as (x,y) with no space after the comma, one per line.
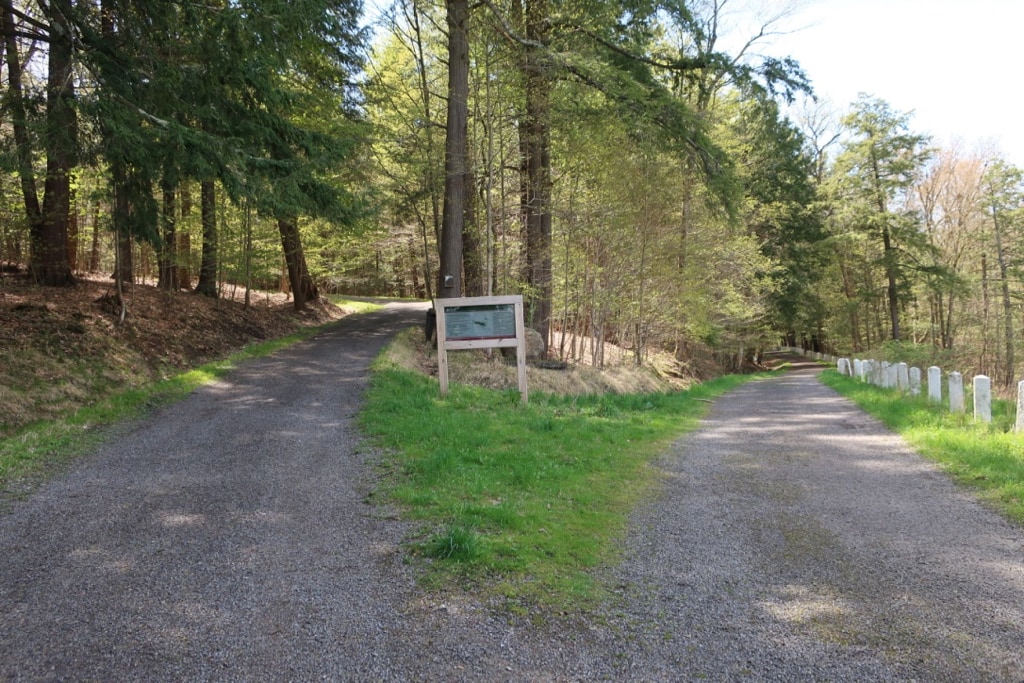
(61,348)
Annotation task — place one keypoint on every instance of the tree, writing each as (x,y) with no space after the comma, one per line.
(207,284)
(403,99)
(948,194)
(543,71)
(255,96)
(49,261)
(456,151)
(1004,197)
(874,174)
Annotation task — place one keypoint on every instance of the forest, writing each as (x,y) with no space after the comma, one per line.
(648,191)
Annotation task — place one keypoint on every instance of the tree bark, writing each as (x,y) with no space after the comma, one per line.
(49,262)
(302,285)
(430,172)
(537,162)
(890,275)
(207,285)
(123,266)
(1008,370)
(73,236)
(453,214)
(168,278)
(19,122)
(473,248)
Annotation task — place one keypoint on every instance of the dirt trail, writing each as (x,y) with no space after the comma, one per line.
(228,538)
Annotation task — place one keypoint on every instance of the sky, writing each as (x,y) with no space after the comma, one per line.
(956,65)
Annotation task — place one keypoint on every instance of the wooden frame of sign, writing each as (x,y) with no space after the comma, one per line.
(480,322)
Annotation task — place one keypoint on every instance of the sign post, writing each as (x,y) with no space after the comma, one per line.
(480,322)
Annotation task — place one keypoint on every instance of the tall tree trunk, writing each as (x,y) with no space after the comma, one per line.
(73,237)
(207,285)
(851,300)
(537,151)
(456,147)
(302,285)
(1009,370)
(474,255)
(890,275)
(19,122)
(49,262)
(124,265)
(183,247)
(984,313)
(168,278)
(125,245)
(94,247)
(430,170)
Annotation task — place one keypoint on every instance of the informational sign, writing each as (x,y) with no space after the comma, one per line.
(480,323)
(487,321)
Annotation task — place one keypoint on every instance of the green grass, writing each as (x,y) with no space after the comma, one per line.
(354,306)
(39,448)
(524,499)
(987,458)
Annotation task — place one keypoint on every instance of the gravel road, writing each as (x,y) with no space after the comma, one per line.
(229,538)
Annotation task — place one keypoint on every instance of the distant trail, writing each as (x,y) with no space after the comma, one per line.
(229,538)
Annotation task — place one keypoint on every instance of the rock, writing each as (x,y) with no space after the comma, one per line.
(535,346)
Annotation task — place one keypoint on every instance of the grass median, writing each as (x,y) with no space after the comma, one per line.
(986,457)
(525,499)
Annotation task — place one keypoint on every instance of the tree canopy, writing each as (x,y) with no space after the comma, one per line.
(650,193)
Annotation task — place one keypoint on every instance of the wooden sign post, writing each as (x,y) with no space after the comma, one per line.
(480,322)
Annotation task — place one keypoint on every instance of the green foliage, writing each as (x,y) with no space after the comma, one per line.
(526,497)
(870,187)
(256,94)
(987,458)
(646,237)
(914,355)
(777,176)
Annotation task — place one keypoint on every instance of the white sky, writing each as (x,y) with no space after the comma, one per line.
(955,64)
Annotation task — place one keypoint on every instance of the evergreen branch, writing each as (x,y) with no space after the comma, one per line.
(31,21)
(17,33)
(684,64)
(506,30)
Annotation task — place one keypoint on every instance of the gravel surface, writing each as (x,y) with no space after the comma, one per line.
(228,538)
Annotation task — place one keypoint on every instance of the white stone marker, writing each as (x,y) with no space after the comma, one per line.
(858,369)
(902,376)
(843,366)
(915,381)
(888,375)
(935,384)
(982,398)
(1019,426)
(956,392)
(877,373)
